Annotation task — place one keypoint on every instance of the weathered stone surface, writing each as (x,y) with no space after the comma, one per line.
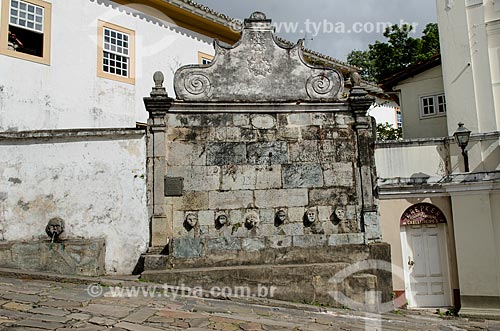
(301,119)
(224,244)
(187,247)
(197,178)
(304,151)
(263,121)
(311,240)
(293,229)
(338,239)
(206,217)
(230,200)
(279,198)
(322,197)
(279,241)
(191,200)
(339,174)
(183,153)
(226,153)
(238,178)
(218,120)
(183,120)
(140,315)
(253,244)
(267,152)
(258,69)
(268,177)
(107,311)
(323,119)
(73,257)
(302,175)
(135,327)
(372,226)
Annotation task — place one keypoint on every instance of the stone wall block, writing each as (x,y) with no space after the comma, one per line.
(226,153)
(278,198)
(185,154)
(236,177)
(268,177)
(182,120)
(280,241)
(338,174)
(253,244)
(224,244)
(187,247)
(302,175)
(230,199)
(304,151)
(197,178)
(311,240)
(267,153)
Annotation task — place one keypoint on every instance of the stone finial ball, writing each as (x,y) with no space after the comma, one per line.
(260,16)
(158,78)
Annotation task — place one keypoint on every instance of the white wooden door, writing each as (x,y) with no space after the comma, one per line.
(426,265)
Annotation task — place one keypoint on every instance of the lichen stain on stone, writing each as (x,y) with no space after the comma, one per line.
(23,205)
(42,203)
(15,180)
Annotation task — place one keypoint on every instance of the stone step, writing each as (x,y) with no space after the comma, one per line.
(322,283)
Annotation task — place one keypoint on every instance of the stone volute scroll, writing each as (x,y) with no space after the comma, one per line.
(259,68)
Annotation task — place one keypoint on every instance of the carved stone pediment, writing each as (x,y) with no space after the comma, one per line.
(257,69)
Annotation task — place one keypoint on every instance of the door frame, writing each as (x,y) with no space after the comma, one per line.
(445,262)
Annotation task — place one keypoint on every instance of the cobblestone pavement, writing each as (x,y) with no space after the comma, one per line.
(48,305)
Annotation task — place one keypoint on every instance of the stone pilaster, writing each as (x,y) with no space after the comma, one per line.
(157,105)
(360,102)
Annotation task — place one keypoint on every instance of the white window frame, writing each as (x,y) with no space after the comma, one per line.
(434,110)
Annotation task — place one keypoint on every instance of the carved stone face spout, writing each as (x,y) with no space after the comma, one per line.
(252,220)
(54,228)
(191,221)
(310,216)
(280,217)
(340,214)
(221,220)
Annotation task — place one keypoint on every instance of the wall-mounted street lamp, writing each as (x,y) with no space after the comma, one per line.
(462,136)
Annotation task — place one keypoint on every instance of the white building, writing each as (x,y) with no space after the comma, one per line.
(443,223)
(73,75)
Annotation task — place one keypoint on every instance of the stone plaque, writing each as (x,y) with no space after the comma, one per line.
(422,213)
(263,121)
(173,186)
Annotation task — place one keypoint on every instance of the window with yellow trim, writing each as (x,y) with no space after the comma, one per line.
(25,30)
(204,58)
(116,53)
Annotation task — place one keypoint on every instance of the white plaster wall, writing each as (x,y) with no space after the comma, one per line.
(469,48)
(68,93)
(97,186)
(457,65)
(476,237)
(384,114)
(411,161)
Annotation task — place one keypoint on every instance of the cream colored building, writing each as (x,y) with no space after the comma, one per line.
(447,254)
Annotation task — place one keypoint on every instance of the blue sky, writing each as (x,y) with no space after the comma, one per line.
(332,27)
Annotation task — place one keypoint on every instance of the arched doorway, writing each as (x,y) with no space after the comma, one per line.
(425,254)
